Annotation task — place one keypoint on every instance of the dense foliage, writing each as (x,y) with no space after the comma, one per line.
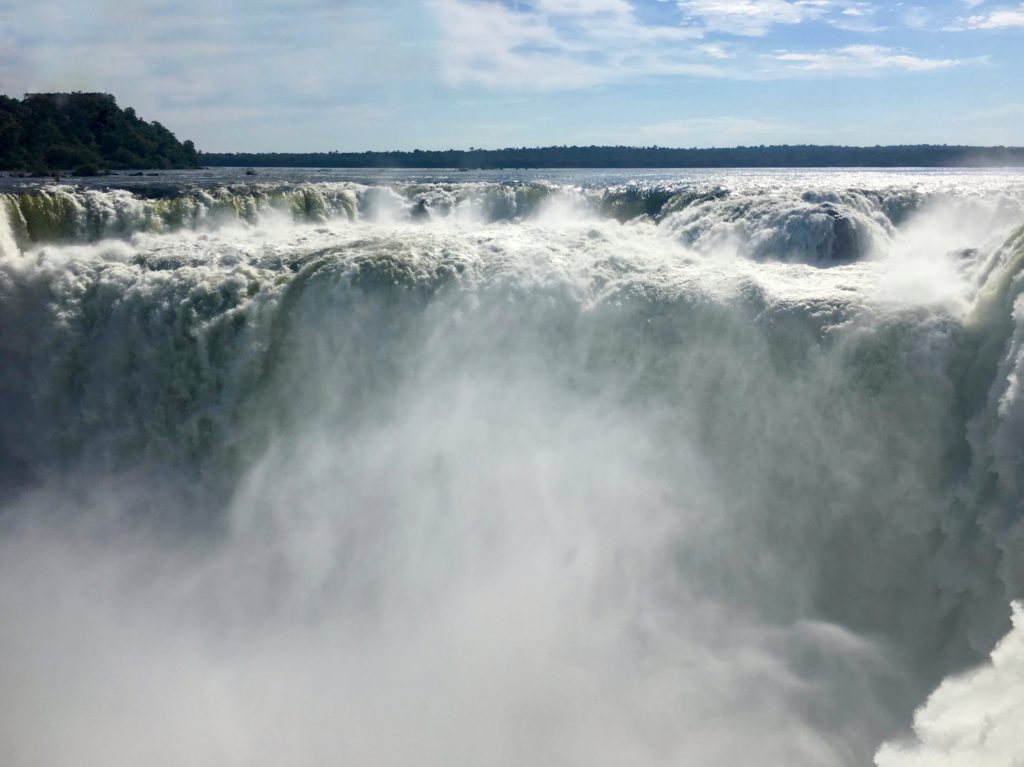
(83,131)
(641,157)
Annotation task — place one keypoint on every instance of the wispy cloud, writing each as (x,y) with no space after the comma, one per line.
(857,17)
(548,45)
(583,7)
(917,17)
(756,18)
(271,74)
(558,44)
(716,51)
(1003,18)
(752,18)
(862,60)
(210,70)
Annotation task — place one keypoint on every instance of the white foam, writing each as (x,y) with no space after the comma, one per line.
(975,719)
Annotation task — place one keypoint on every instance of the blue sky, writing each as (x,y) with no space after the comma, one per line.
(305,75)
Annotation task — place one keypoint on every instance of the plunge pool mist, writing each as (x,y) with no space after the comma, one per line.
(566,468)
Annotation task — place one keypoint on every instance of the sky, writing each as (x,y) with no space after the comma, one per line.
(354,75)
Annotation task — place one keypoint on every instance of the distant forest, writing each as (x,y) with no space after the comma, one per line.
(802,156)
(84,132)
(87,133)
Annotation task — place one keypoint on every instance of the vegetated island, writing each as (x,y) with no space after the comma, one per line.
(801,156)
(87,133)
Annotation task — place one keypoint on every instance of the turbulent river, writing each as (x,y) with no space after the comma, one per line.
(483,469)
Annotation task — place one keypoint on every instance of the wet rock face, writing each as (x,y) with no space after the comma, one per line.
(844,240)
(420,211)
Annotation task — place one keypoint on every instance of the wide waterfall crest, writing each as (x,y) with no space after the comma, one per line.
(779,222)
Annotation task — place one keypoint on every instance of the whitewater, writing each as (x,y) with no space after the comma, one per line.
(578,468)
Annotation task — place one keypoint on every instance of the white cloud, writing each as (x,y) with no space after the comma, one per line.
(559,44)
(917,17)
(582,7)
(492,45)
(203,69)
(862,60)
(716,51)
(755,18)
(999,19)
(564,44)
(752,18)
(856,17)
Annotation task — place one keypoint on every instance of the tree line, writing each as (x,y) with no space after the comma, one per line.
(89,133)
(785,156)
(84,132)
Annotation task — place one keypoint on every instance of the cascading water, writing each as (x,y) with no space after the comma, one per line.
(693,470)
